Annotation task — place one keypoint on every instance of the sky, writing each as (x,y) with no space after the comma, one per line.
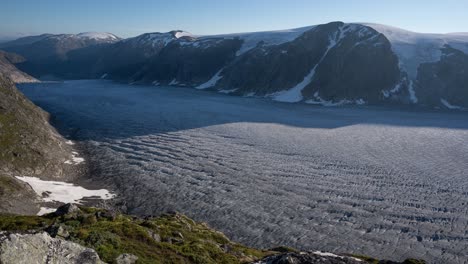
(204,17)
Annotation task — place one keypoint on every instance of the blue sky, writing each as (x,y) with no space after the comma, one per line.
(131,18)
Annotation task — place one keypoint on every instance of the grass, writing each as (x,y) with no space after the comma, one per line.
(181,239)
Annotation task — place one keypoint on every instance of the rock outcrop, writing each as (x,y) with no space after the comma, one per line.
(7,68)
(40,248)
(29,145)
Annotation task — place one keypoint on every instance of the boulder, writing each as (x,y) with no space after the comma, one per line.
(40,248)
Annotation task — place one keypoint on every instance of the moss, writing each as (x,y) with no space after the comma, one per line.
(23,223)
(167,239)
(182,239)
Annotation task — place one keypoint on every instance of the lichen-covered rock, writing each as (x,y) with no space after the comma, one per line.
(126,259)
(41,248)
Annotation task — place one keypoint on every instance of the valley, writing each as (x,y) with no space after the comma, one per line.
(373,180)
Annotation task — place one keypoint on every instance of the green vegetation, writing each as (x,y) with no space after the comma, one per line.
(166,239)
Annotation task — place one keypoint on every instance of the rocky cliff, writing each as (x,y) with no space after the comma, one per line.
(29,145)
(7,68)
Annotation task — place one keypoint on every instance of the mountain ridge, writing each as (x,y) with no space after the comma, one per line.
(339,63)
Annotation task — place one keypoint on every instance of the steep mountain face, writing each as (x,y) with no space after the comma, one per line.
(421,58)
(28,146)
(7,68)
(444,82)
(330,64)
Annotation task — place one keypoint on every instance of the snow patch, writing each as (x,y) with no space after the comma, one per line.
(450,106)
(360,101)
(227,91)
(412,93)
(104,76)
(75,159)
(294,94)
(414,48)
(174,82)
(328,254)
(180,34)
(63,192)
(98,36)
(69,142)
(45,210)
(211,82)
(155,83)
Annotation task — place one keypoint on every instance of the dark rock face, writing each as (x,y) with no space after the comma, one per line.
(28,146)
(308,258)
(267,69)
(445,80)
(48,54)
(360,65)
(189,64)
(343,61)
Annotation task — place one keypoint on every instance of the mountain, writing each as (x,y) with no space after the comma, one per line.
(24,40)
(46,54)
(329,64)
(28,146)
(7,68)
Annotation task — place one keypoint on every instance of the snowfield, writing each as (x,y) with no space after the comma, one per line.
(62,192)
(386,183)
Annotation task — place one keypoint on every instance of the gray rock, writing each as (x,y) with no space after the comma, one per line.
(41,248)
(126,259)
(154,236)
(308,258)
(67,209)
(58,231)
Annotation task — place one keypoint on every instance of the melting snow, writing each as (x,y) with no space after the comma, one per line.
(450,106)
(46,210)
(180,34)
(415,48)
(97,35)
(227,91)
(412,93)
(174,82)
(211,82)
(294,94)
(63,192)
(75,159)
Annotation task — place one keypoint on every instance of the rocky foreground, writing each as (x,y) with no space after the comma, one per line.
(76,234)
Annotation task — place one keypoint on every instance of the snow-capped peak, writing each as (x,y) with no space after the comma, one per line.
(414,48)
(180,34)
(98,36)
